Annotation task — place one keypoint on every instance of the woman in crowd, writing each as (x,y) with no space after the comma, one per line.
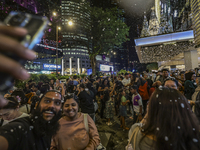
(11,111)
(122,108)
(104,86)
(189,85)
(182,80)
(109,105)
(168,125)
(23,100)
(73,133)
(171,82)
(134,79)
(27,88)
(86,98)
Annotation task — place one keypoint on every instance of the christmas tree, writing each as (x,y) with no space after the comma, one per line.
(165,27)
(145,30)
(153,23)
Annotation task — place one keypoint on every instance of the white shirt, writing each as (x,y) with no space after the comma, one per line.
(126,81)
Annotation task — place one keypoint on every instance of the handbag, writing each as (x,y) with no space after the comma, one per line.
(129,146)
(100,146)
(95,106)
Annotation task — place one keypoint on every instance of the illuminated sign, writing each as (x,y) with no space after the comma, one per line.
(106,67)
(51,66)
(46,46)
(173,37)
(49,42)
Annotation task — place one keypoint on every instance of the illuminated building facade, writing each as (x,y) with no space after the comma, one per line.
(196,17)
(178,13)
(75,36)
(46,49)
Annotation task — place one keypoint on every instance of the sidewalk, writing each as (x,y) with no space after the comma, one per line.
(113,137)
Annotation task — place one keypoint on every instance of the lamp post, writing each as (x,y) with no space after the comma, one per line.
(57,28)
(70,23)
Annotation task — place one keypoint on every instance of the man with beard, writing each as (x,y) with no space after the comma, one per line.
(34,132)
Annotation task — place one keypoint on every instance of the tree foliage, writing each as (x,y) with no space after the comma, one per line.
(152,66)
(106,31)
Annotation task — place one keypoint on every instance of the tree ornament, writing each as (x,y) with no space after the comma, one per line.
(145,29)
(153,23)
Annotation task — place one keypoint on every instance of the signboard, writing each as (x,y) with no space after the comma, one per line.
(107,68)
(51,67)
(50,47)
(89,71)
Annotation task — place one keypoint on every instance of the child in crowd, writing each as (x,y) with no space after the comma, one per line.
(123,111)
(137,104)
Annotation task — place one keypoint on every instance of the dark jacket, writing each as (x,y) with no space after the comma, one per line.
(196,99)
(86,102)
(189,89)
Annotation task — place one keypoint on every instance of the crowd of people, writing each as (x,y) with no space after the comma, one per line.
(164,108)
(153,102)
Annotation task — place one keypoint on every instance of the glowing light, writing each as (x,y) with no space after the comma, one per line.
(70,65)
(173,37)
(54,13)
(70,23)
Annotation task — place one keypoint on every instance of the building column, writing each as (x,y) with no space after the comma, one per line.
(70,65)
(62,67)
(191,59)
(78,65)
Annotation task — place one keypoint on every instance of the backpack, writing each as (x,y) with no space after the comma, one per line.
(143,91)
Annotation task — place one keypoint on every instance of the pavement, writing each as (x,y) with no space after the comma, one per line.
(113,137)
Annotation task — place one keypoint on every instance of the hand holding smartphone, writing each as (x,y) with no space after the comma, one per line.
(18,35)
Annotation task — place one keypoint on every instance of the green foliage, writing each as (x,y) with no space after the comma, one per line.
(108,30)
(19,84)
(98,73)
(35,78)
(153,66)
(44,77)
(83,75)
(122,71)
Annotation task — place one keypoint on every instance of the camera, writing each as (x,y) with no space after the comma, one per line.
(35,25)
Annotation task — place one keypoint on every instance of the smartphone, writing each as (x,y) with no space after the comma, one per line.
(35,26)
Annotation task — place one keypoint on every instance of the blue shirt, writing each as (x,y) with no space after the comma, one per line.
(75,82)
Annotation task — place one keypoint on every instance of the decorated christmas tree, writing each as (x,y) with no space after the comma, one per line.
(165,27)
(145,30)
(153,23)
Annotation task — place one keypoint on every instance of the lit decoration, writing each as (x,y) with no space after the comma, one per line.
(153,23)
(164,52)
(165,27)
(145,30)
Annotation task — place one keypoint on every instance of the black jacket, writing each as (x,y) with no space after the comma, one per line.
(196,98)
(86,102)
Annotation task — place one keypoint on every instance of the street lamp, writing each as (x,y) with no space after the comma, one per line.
(57,28)
(54,13)
(70,23)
